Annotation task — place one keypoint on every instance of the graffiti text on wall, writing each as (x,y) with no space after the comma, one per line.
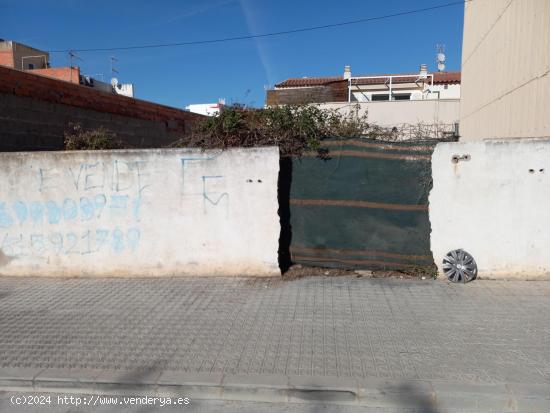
(101,213)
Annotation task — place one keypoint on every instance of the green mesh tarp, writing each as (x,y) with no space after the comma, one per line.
(363,206)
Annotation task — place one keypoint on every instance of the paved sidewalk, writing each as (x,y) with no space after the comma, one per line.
(8,405)
(349,331)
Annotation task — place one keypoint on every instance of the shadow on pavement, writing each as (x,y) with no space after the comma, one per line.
(413,398)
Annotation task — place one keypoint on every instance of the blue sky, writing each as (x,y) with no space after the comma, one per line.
(240,70)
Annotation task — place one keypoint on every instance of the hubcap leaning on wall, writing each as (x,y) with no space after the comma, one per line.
(459,266)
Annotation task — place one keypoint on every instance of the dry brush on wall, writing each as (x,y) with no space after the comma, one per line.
(77,138)
(296,129)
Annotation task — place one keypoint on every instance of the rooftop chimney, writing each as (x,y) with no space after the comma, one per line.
(423,71)
(347,72)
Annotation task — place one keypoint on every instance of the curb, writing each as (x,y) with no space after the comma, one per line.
(369,392)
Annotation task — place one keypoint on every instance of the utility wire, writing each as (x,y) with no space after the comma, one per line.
(256,36)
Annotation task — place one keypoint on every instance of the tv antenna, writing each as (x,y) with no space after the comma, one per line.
(440,57)
(113,69)
(72,56)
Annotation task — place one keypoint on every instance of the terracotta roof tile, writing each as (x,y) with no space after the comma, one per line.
(447,77)
(309,81)
(439,78)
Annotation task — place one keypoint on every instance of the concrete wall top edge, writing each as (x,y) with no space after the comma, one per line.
(155,151)
(497,141)
(426,101)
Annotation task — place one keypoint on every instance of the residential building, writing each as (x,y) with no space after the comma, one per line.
(391,100)
(419,86)
(348,88)
(506,69)
(22,57)
(208,109)
(124,89)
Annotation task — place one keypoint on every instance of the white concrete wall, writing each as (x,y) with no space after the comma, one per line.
(496,206)
(440,92)
(139,212)
(208,109)
(505,69)
(394,113)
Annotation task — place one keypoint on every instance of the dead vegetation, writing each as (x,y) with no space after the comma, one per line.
(294,129)
(77,138)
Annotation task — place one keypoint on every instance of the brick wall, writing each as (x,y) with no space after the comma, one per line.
(6,58)
(68,74)
(35,111)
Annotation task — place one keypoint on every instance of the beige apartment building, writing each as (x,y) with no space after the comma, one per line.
(22,57)
(505,69)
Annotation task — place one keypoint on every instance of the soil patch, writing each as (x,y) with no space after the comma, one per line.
(299,271)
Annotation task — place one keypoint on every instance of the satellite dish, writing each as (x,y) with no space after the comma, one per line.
(114,82)
(440,58)
(441,61)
